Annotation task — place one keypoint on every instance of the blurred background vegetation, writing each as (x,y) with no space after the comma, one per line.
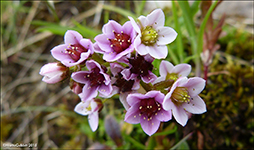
(35,112)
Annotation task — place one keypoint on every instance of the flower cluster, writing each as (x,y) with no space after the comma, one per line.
(120,62)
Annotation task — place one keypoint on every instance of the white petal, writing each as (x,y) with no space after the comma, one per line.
(165,68)
(196,106)
(166,35)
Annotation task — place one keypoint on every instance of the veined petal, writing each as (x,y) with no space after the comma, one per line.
(93,120)
(80,76)
(163,115)
(156,18)
(165,68)
(58,52)
(196,106)
(134,24)
(151,126)
(182,70)
(72,37)
(135,98)
(195,85)
(157,51)
(132,115)
(180,115)
(141,48)
(88,92)
(166,35)
(81,108)
(103,43)
(149,78)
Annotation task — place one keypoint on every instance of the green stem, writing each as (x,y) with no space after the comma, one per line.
(147,87)
(179,42)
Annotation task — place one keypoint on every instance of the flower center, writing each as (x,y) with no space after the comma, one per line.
(140,66)
(75,50)
(172,76)
(149,36)
(123,84)
(149,107)
(120,42)
(95,77)
(180,95)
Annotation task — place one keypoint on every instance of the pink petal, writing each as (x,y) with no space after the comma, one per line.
(180,115)
(53,79)
(151,126)
(132,115)
(81,108)
(149,78)
(127,28)
(182,70)
(143,21)
(88,93)
(134,25)
(157,95)
(105,89)
(163,115)
(123,100)
(158,52)
(167,103)
(196,106)
(165,68)
(166,35)
(72,37)
(156,18)
(103,43)
(141,48)
(80,76)
(110,27)
(116,68)
(195,85)
(58,52)
(135,98)
(93,120)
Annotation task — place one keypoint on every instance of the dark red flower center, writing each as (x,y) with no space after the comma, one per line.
(75,50)
(95,77)
(149,107)
(120,42)
(122,84)
(140,66)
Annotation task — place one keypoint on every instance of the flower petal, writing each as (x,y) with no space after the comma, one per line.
(123,99)
(195,85)
(143,21)
(105,90)
(103,43)
(140,48)
(58,52)
(149,78)
(72,37)
(157,51)
(88,92)
(132,115)
(156,18)
(81,108)
(135,98)
(182,70)
(196,106)
(80,76)
(134,25)
(180,115)
(93,120)
(165,68)
(166,35)
(110,27)
(163,115)
(151,126)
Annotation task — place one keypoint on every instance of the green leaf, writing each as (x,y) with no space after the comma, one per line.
(181,141)
(133,141)
(119,10)
(167,132)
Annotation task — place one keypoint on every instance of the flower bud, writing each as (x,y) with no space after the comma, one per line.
(76,87)
(99,104)
(54,72)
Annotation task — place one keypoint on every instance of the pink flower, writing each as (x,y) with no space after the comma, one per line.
(121,85)
(140,67)
(53,72)
(90,108)
(95,80)
(170,72)
(152,36)
(183,96)
(147,110)
(75,50)
(116,40)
